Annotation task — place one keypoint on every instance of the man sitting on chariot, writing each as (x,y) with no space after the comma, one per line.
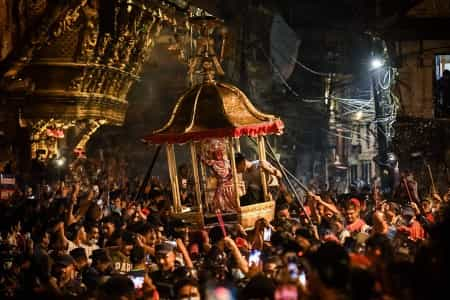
(251,175)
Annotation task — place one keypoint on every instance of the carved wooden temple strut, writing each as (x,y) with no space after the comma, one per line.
(77,60)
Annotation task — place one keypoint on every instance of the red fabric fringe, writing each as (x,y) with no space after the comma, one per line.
(274,127)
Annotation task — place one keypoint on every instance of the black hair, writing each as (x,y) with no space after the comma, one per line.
(128,238)
(283,206)
(184,282)
(38,236)
(78,254)
(216,234)
(137,255)
(114,219)
(333,265)
(73,230)
(116,287)
(259,287)
(88,226)
(239,157)
(381,242)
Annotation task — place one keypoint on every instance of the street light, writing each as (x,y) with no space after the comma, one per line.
(376,63)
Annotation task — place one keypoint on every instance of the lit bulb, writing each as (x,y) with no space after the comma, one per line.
(376,63)
(60,162)
(358,115)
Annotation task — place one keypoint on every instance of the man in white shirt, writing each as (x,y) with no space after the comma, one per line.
(251,174)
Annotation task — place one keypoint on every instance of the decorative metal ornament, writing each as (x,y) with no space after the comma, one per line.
(75,68)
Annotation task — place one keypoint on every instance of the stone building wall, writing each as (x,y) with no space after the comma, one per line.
(421,138)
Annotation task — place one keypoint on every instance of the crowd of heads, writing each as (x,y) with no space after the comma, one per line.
(92,236)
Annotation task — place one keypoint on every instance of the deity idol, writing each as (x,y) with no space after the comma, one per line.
(217,160)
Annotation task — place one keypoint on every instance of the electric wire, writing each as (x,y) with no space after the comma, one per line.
(296,61)
(277,71)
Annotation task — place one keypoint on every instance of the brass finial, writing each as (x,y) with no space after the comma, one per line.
(208,70)
(205,60)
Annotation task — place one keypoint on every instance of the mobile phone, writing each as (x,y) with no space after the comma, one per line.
(293,270)
(302,278)
(254,257)
(138,281)
(267,234)
(96,189)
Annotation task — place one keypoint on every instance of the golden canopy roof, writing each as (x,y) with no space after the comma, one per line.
(213,110)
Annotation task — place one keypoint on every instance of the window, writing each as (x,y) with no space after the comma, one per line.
(442,86)
(366,170)
(354,173)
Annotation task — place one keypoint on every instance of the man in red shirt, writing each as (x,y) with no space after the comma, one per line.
(354,223)
(413,228)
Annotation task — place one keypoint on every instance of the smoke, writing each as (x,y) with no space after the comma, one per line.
(150,103)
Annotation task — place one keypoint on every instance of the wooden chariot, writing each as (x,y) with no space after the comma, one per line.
(212,116)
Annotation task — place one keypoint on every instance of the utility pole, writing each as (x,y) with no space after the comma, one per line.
(379,116)
(385,170)
(327,97)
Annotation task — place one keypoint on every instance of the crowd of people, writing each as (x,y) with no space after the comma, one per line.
(90,236)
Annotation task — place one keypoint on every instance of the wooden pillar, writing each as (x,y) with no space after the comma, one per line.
(171,162)
(237,143)
(234,172)
(198,193)
(204,185)
(262,156)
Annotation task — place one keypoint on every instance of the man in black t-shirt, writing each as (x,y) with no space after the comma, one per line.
(164,279)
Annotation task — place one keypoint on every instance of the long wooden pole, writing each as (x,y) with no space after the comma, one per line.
(204,185)
(234,173)
(285,173)
(431,178)
(237,144)
(262,157)
(198,193)
(147,175)
(173,177)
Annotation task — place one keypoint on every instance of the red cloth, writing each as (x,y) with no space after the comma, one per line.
(273,127)
(145,211)
(415,231)
(356,226)
(355,202)
(307,210)
(241,243)
(429,217)
(359,260)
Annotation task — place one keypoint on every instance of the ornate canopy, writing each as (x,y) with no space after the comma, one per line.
(213,110)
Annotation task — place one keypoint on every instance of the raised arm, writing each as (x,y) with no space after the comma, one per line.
(266,166)
(327,205)
(185,253)
(241,261)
